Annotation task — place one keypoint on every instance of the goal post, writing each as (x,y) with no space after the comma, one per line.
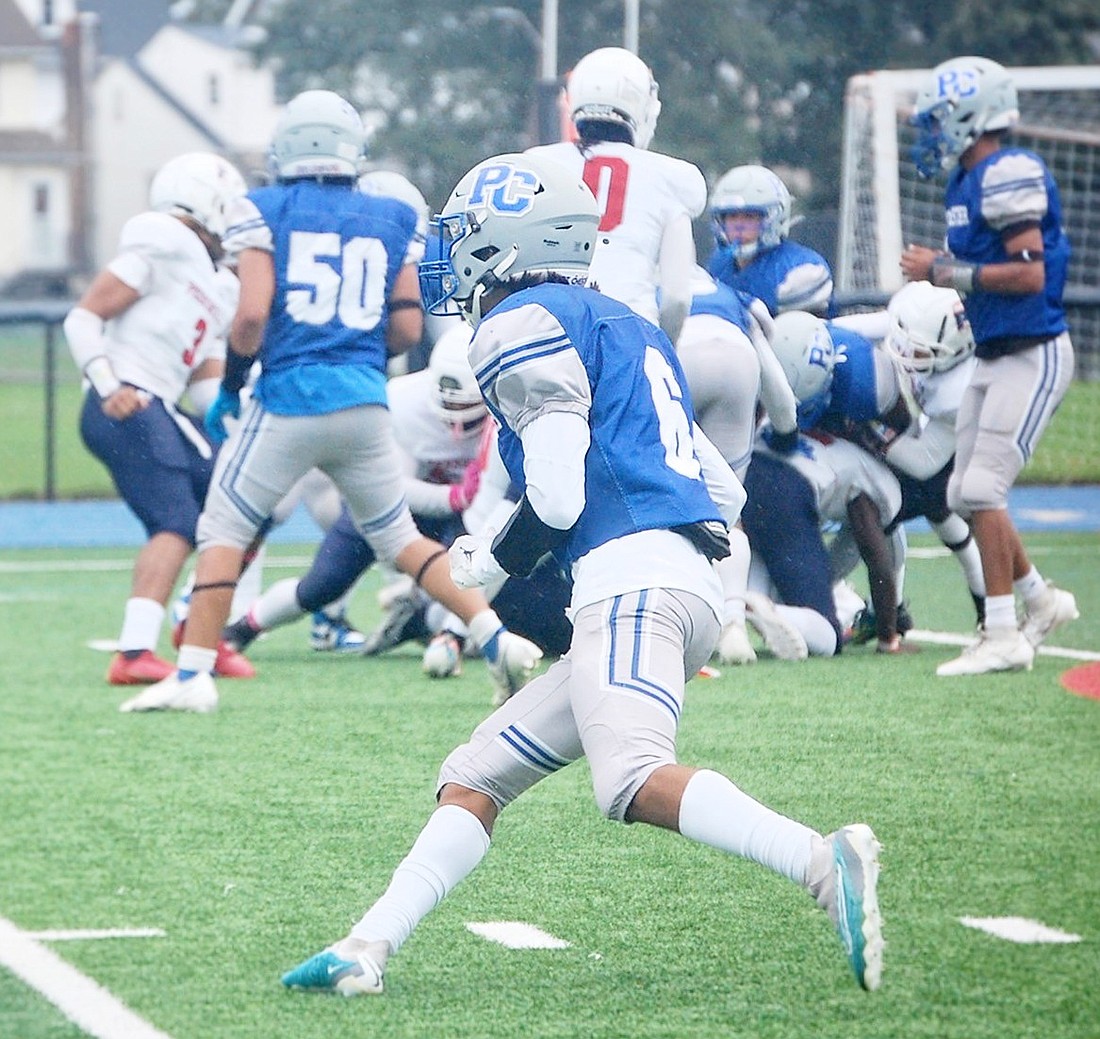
(884,203)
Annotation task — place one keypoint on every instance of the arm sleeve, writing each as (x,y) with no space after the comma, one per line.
(554,449)
(871,326)
(676,263)
(722,483)
(923,454)
(775,391)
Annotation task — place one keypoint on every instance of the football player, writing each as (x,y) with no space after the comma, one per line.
(328,291)
(1006,255)
(647,200)
(751,212)
(618,482)
(149,329)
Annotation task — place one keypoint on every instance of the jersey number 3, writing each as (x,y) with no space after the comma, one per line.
(606,177)
(345,281)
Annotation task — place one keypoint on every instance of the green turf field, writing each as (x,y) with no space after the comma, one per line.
(254,836)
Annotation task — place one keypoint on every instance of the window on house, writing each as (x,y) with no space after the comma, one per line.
(41,199)
(213,89)
(47,12)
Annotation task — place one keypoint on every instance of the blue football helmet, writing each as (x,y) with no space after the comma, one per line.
(962,99)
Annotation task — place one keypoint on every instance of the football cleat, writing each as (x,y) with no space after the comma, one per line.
(197,693)
(144,668)
(1057,607)
(780,636)
(231,663)
(335,634)
(511,662)
(402,620)
(240,634)
(997,649)
(734,647)
(328,972)
(443,656)
(848,891)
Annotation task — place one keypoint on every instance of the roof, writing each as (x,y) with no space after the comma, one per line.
(124,26)
(16,33)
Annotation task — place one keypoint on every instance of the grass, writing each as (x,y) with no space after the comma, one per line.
(1067,453)
(256,835)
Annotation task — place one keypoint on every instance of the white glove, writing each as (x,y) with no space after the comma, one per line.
(472,561)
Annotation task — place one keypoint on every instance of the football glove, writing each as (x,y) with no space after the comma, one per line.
(226,404)
(473,564)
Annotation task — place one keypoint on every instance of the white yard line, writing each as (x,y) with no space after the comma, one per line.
(950,638)
(83,1001)
(94,935)
(514,934)
(1019,929)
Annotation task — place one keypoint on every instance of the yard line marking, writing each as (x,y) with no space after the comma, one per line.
(93,934)
(61,566)
(514,934)
(103,645)
(1020,930)
(950,638)
(83,1001)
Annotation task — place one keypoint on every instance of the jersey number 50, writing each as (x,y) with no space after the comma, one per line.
(345,281)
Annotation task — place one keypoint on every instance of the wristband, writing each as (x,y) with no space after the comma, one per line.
(101,375)
(949,273)
(237,367)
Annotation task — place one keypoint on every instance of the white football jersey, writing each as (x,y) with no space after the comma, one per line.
(639,193)
(183,312)
(433,456)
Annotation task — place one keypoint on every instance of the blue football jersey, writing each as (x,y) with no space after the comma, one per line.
(789,277)
(336,253)
(855,394)
(568,348)
(1010,187)
(723,302)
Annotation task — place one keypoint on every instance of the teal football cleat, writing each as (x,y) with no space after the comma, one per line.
(328,972)
(848,892)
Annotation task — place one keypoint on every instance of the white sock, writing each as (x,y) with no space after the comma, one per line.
(449,847)
(733,571)
(249,585)
(278,605)
(196,658)
(438,618)
(899,548)
(954,532)
(819,634)
(1000,611)
(141,623)
(714,811)
(1031,586)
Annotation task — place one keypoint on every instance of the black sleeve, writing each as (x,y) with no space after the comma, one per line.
(524,540)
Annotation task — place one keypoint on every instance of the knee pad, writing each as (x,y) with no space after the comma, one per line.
(981,489)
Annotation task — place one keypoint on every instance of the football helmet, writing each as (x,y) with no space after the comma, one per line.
(929,330)
(319,134)
(751,189)
(612,85)
(456,398)
(808,356)
(509,215)
(962,99)
(199,185)
(394,185)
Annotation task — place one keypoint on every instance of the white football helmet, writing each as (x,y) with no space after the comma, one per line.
(929,330)
(963,99)
(319,134)
(199,185)
(808,356)
(509,215)
(391,184)
(752,189)
(457,399)
(612,85)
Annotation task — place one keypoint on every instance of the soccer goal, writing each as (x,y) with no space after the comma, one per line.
(885,204)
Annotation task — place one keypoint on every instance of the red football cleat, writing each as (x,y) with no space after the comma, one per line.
(143,669)
(232,663)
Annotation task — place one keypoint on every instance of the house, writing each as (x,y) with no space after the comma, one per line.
(40,148)
(95,95)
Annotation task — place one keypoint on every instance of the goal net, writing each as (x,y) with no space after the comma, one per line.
(885,204)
